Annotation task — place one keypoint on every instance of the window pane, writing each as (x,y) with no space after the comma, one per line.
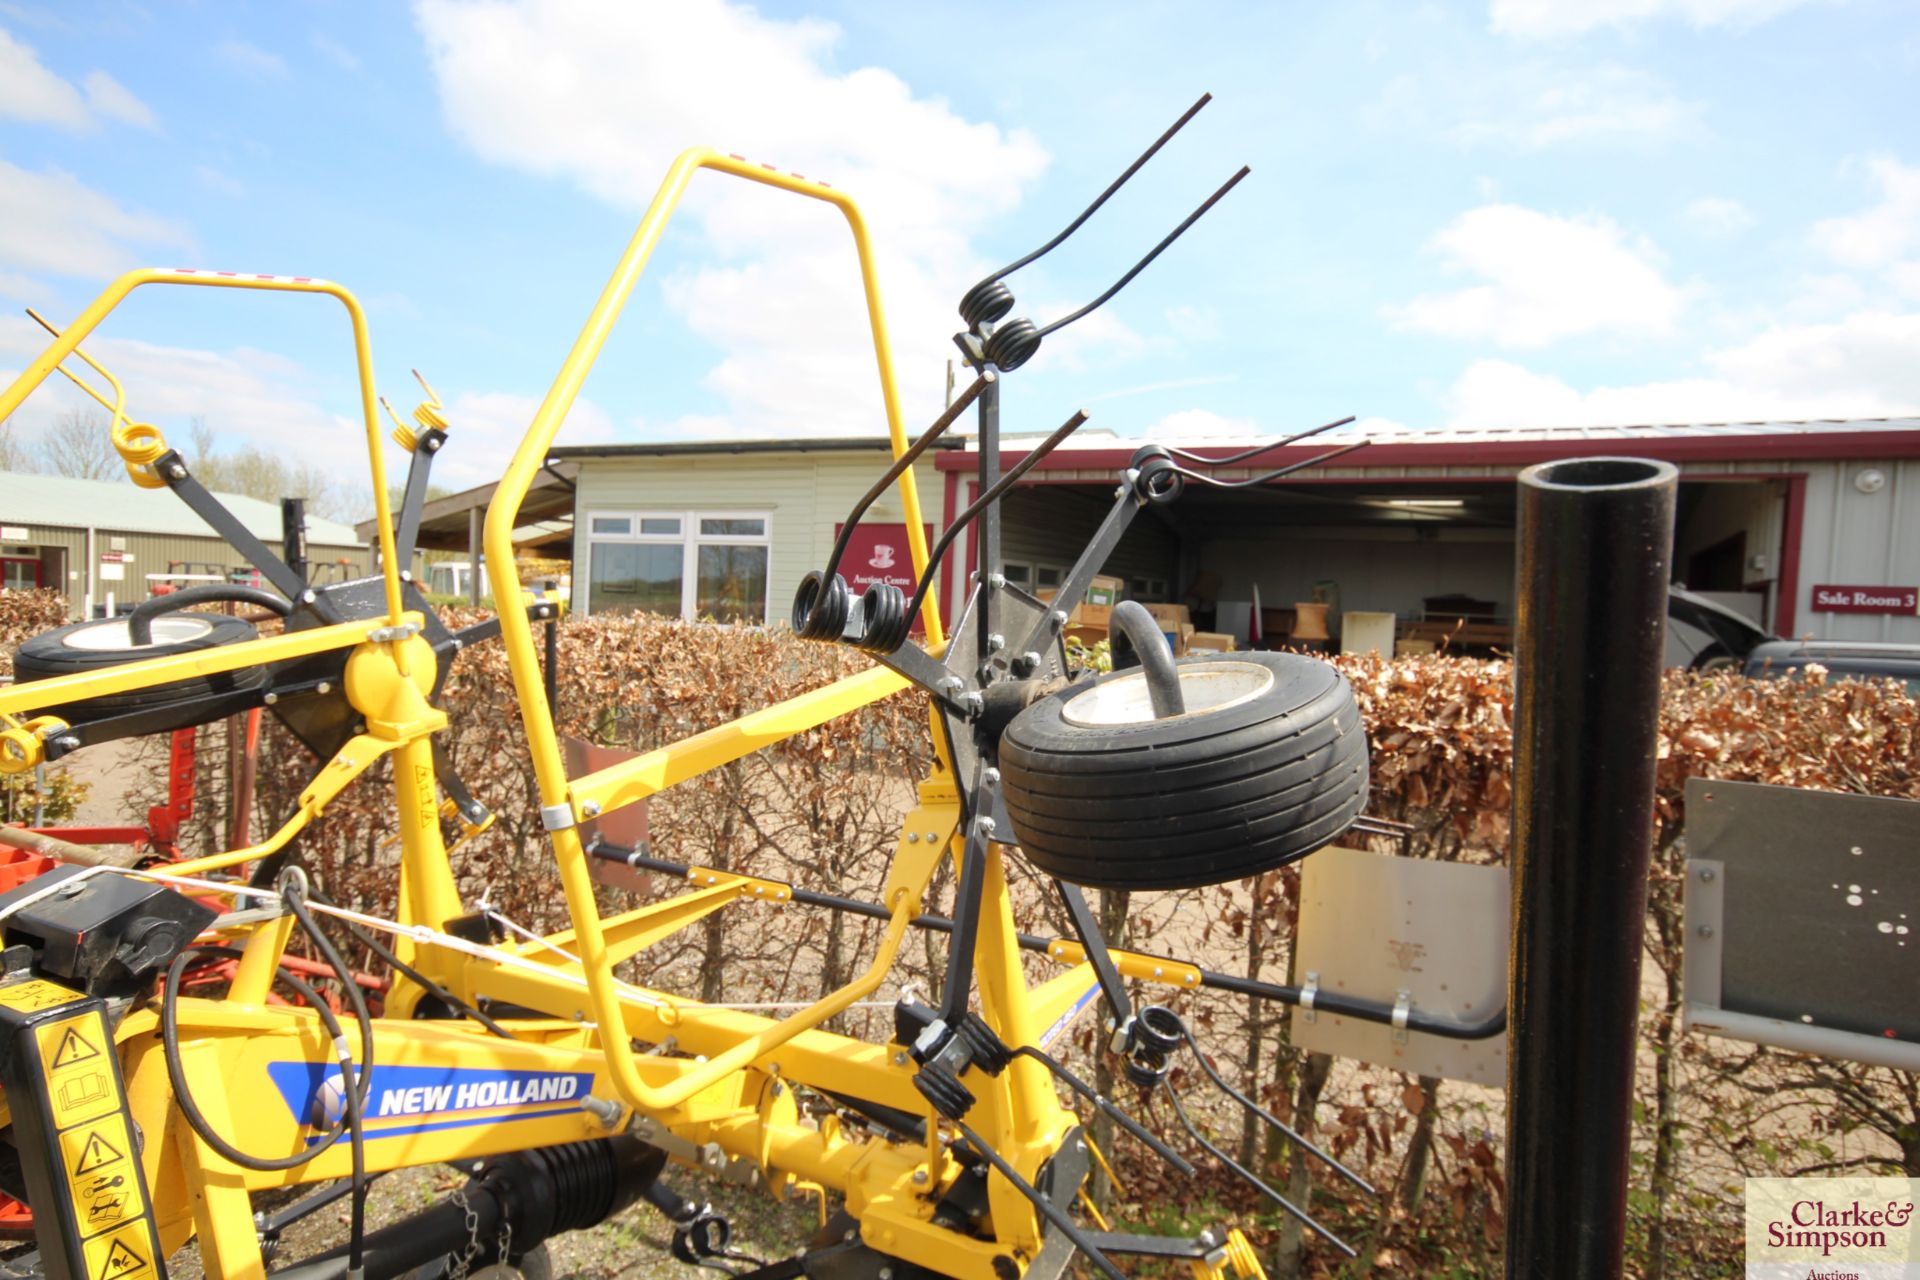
(619,525)
(1017,574)
(628,577)
(666,525)
(733,584)
(753,527)
(1049,576)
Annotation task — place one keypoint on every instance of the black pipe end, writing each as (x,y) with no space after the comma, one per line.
(1589,475)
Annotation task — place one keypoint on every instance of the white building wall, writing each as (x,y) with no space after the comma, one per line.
(1871,539)
(804,496)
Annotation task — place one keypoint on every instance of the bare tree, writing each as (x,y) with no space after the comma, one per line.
(14,456)
(80,444)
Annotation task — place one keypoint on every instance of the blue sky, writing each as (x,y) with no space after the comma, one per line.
(1508,211)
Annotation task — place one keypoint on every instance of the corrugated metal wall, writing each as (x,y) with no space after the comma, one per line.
(1850,537)
(149,553)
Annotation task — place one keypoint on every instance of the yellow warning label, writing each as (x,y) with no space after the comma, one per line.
(120,1255)
(80,1082)
(74,1047)
(101,1178)
(35,993)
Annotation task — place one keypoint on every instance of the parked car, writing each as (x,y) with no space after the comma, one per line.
(1706,635)
(1776,658)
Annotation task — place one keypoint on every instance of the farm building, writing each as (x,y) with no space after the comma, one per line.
(110,542)
(1806,528)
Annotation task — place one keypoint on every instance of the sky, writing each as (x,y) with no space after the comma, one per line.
(1486,213)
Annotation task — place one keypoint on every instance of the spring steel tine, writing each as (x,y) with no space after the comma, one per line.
(1112,187)
(1048,1209)
(1119,1117)
(1257,450)
(987,499)
(1306,1219)
(1271,476)
(1294,1135)
(1153,253)
(900,464)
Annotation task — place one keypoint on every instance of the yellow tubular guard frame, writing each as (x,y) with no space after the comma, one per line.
(70,338)
(517,632)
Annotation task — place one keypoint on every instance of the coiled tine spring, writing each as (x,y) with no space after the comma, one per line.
(988,300)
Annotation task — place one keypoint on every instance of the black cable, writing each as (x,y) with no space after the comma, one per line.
(293,892)
(177,1076)
(434,989)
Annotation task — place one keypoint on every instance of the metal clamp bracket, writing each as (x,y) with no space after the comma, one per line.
(1402,1009)
(1308,994)
(556,817)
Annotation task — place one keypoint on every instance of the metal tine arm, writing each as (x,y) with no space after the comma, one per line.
(987,499)
(1153,253)
(905,460)
(1298,1139)
(1048,1209)
(1112,187)
(1274,475)
(1305,1218)
(1187,455)
(1179,1162)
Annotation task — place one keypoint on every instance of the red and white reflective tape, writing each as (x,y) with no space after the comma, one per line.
(242,275)
(774,168)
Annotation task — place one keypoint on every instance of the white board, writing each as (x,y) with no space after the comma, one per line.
(1373,925)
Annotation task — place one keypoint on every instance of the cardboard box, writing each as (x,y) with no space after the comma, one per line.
(1210,642)
(1171,616)
(1412,648)
(1105,591)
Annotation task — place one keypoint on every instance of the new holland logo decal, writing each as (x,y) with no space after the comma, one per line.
(407,1100)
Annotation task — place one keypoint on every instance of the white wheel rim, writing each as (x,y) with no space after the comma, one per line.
(115,633)
(1205,688)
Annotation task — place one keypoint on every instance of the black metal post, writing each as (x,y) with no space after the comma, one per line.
(987,540)
(293,535)
(1595,542)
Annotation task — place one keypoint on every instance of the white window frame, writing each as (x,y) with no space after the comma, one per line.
(690,540)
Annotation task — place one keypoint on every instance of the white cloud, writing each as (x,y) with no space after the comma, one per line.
(1201,424)
(1888,231)
(1194,324)
(335,52)
(53,222)
(1718,215)
(600,95)
(1543,106)
(1535,19)
(1547,278)
(109,98)
(487,426)
(31,92)
(251,60)
(247,396)
(1860,367)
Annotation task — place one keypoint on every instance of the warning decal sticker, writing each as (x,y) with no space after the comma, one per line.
(100,1178)
(74,1047)
(35,994)
(80,1084)
(126,1254)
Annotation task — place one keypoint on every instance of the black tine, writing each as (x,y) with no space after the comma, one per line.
(1257,450)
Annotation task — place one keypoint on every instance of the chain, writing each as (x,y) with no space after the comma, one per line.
(506,1241)
(457,1268)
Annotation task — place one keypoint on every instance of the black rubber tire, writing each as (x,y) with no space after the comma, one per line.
(1212,795)
(55,653)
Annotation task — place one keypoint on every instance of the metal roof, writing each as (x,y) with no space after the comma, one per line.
(827,444)
(66,503)
(1383,432)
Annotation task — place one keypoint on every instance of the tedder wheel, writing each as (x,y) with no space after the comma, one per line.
(1267,763)
(108,642)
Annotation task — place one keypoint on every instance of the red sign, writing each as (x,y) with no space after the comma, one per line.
(879,553)
(1831,599)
